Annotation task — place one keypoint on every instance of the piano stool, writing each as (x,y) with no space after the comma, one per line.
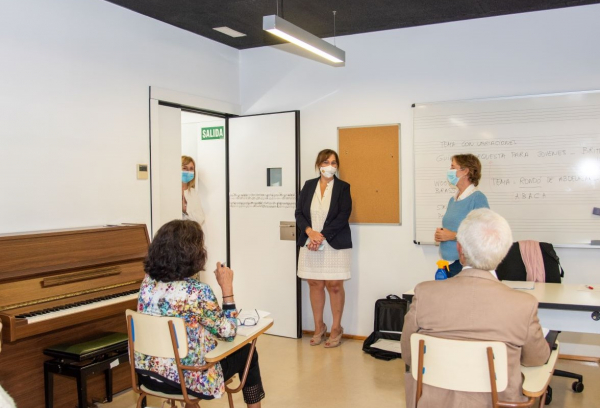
(82,360)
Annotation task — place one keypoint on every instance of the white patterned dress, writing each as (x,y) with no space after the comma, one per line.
(328,263)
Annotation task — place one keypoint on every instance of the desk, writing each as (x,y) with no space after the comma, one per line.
(225,348)
(538,378)
(562,306)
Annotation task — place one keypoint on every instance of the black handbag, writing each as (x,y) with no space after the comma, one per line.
(388,323)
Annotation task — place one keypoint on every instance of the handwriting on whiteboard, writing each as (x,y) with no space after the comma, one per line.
(540,158)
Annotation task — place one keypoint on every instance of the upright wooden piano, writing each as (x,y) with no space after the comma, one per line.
(64,286)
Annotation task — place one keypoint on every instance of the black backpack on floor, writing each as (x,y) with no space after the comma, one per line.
(389,319)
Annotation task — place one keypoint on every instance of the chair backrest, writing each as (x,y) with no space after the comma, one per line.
(512,267)
(160,336)
(151,335)
(459,365)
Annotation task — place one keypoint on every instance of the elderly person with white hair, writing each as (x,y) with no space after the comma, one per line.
(476,306)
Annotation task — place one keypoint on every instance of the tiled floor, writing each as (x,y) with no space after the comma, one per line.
(297,375)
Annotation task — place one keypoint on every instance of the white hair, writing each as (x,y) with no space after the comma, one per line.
(485,238)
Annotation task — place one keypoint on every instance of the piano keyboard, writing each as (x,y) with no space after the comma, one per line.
(63,310)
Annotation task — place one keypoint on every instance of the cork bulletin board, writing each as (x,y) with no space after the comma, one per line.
(370,162)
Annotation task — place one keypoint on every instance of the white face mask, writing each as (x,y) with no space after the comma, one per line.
(328,171)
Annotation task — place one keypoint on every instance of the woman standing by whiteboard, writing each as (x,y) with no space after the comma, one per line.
(191,208)
(464,173)
(325,243)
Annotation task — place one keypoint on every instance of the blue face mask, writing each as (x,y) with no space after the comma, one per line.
(451,176)
(187,176)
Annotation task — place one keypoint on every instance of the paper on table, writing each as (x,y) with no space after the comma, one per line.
(387,345)
(520,284)
(250,313)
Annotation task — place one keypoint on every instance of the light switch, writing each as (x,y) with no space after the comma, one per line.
(142,172)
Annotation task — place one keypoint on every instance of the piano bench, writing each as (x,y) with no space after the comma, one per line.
(83,359)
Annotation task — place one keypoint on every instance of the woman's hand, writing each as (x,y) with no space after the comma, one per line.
(313,247)
(442,234)
(224,277)
(315,236)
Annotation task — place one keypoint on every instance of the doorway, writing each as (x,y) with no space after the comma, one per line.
(225,148)
(203,139)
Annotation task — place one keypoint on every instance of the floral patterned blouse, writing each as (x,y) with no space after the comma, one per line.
(196,303)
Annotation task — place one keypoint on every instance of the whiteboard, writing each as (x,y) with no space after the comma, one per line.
(540,159)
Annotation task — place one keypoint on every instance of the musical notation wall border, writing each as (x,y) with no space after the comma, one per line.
(262,204)
(261,200)
(262,196)
(540,159)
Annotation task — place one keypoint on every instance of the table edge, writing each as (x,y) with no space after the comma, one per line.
(210,359)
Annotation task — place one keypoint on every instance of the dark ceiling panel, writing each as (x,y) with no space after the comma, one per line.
(315,16)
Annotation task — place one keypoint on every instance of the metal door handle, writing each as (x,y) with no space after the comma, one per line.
(287,230)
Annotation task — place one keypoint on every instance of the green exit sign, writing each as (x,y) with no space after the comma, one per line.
(216,132)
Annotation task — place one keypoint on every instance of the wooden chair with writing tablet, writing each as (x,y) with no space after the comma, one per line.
(468,366)
(164,336)
(512,268)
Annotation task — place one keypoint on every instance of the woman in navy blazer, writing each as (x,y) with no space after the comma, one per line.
(325,242)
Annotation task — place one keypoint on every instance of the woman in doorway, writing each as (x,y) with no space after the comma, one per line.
(191,208)
(464,173)
(325,243)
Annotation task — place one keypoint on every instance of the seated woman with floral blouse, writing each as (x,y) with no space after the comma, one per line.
(176,254)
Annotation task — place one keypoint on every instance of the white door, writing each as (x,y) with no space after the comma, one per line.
(263,162)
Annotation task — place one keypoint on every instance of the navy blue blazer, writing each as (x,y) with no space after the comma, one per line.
(336,229)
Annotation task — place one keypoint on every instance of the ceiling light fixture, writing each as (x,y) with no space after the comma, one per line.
(294,34)
(229,31)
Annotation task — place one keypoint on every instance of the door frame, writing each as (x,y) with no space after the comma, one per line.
(191,103)
(211,107)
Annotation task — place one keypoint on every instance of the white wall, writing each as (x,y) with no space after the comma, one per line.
(532,53)
(74,84)
(74,81)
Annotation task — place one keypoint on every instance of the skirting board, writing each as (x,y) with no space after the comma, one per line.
(579,358)
(344,336)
